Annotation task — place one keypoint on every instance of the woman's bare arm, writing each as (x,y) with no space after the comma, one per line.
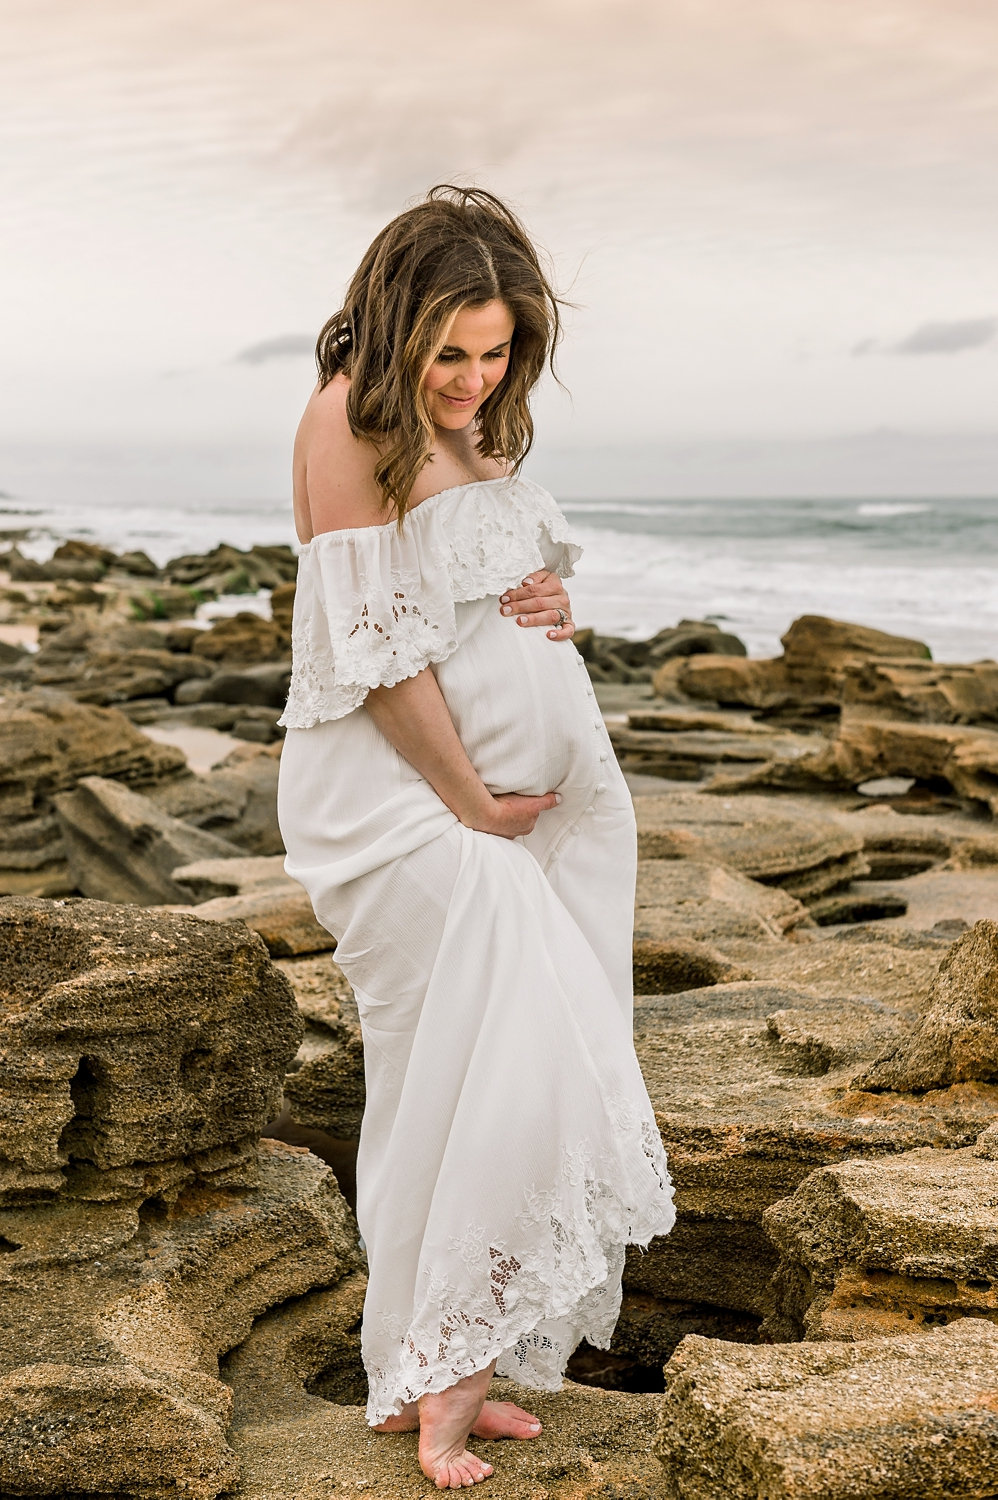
(414,717)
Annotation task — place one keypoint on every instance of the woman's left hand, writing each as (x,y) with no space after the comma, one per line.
(541,600)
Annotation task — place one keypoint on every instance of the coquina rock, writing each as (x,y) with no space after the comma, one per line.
(616,659)
(690,754)
(122,847)
(236,800)
(282,606)
(96,662)
(265,685)
(956,1040)
(817,652)
(869,1249)
(931,692)
(696,899)
(114,1322)
(47,744)
(908,1418)
(229,570)
(325,1083)
(868,749)
(143,1225)
(141,1052)
(897,846)
(243,639)
(750,1083)
(780,843)
(259,893)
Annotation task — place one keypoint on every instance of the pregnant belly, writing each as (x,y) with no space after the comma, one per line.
(521,703)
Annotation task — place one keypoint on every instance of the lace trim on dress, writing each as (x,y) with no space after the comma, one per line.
(374,606)
(555,1280)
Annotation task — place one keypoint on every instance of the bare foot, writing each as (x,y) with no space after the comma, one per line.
(445,1421)
(498,1419)
(501,1419)
(406,1421)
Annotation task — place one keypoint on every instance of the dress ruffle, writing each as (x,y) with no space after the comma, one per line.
(375,605)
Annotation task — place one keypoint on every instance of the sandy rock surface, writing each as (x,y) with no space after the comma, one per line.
(707,902)
(110,1342)
(781,842)
(956,1040)
(141,1051)
(879,1248)
(48,743)
(909,1418)
(595,1445)
(120,846)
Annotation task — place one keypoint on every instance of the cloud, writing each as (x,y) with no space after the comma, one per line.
(951,337)
(284,346)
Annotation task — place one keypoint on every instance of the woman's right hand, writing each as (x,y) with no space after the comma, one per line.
(512,814)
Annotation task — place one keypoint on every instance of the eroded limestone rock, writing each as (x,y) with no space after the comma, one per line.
(237,799)
(668,967)
(909,1418)
(692,754)
(869,1248)
(243,639)
(141,1051)
(114,1323)
(238,875)
(121,846)
(325,1083)
(897,846)
(817,654)
(867,749)
(751,1089)
(690,898)
(114,663)
(956,1040)
(930,692)
(47,744)
(263,685)
(231,570)
(783,843)
(281,914)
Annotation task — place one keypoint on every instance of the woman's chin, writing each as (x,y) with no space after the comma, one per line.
(453,417)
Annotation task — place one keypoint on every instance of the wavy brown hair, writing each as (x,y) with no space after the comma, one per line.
(460,247)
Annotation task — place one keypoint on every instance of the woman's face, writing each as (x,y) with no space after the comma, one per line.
(470,365)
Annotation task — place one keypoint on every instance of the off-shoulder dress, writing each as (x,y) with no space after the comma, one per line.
(509,1151)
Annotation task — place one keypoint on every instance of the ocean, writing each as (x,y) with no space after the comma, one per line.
(924,568)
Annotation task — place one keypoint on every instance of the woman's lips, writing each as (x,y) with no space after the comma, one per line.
(456,401)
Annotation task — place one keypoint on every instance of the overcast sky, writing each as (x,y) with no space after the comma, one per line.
(779,218)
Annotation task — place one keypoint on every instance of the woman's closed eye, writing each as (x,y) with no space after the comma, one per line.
(453,357)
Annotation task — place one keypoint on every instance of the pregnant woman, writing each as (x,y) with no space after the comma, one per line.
(450,801)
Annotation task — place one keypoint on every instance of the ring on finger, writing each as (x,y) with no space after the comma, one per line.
(562,619)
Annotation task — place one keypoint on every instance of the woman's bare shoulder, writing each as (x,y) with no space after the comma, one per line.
(333,470)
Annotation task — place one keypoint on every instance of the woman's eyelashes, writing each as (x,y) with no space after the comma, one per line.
(449,357)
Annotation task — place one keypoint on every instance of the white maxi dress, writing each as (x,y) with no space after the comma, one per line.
(508,1150)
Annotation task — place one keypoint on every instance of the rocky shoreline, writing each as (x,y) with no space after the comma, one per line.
(816,966)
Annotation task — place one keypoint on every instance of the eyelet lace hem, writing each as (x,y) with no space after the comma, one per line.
(554,1280)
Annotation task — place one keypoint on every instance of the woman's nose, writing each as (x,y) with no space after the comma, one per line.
(472,379)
